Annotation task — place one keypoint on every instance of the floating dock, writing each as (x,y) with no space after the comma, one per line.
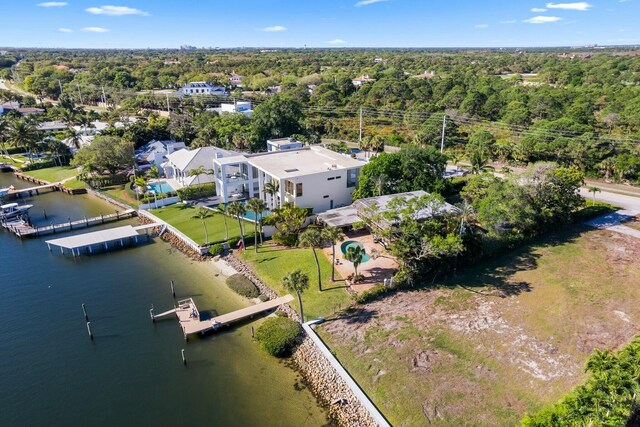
(191,321)
(23,229)
(107,239)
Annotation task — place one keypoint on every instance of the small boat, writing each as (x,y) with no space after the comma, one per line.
(13,210)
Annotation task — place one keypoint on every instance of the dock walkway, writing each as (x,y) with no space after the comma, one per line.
(23,229)
(190,319)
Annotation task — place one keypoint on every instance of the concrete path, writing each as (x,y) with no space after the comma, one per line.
(624,201)
(613,222)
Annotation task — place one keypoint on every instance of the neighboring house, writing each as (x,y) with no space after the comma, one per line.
(426,75)
(15,106)
(359,81)
(243,107)
(311,177)
(203,88)
(181,162)
(361,209)
(283,144)
(49,127)
(154,153)
(236,80)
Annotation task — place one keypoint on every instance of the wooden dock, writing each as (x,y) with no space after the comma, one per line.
(23,229)
(191,320)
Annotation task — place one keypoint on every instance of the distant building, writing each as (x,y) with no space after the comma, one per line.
(284,144)
(49,127)
(181,162)
(236,79)
(187,47)
(311,88)
(15,106)
(378,60)
(243,107)
(359,81)
(426,75)
(203,88)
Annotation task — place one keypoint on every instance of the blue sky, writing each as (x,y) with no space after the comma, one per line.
(317,23)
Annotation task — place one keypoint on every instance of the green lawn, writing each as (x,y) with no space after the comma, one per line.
(14,160)
(75,183)
(182,217)
(121,193)
(273,262)
(54,174)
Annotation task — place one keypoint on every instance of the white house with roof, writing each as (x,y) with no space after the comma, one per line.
(242,107)
(180,163)
(359,81)
(236,79)
(203,88)
(283,144)
(155,152)
(310,177)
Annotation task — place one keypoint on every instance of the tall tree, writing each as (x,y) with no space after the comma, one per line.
(238,210)
(222,208)
(202,214)
(313,238)
(277,117)
(257,206)
(333,235)
(297,282)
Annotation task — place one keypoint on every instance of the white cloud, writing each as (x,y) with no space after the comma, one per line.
(368,2)
(509,21)
(274,29)
(53,4)
(65,30)
(95,30)
(542,19)
(538,9)
(481,26)
(116,11)
(582,6)
(337,41)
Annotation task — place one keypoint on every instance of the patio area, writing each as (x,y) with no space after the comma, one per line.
(375,270)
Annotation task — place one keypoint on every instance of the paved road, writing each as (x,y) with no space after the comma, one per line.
(624,201)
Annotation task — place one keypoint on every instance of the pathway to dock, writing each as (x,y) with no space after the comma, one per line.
(190,318)
(23,229)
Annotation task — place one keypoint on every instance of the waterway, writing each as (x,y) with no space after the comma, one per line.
(131,374)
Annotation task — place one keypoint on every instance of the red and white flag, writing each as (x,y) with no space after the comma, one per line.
(240,246)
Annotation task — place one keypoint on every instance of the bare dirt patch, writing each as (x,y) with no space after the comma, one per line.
(499,340)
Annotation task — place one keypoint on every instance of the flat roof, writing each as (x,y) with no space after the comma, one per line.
(97,237)
(303,161)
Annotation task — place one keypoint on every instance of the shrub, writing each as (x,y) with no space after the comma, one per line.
(216,249)
(197,191)
(36,166)
(371,294)
(243,286)
(277,336)
(233,243)
(290,239)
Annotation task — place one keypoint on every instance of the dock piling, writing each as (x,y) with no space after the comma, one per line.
(184,359)
(151,314)
(253,332)
(173,290)
(89,330)
(44,212)
(84,310)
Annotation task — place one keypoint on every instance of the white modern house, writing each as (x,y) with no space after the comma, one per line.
(202,88)
(284,144)
(155,153)
(180,163)
(359,81)
(310,177)
(242,107)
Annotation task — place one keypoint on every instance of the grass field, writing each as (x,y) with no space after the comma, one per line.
(14,160)
(121,193)
(182,217)
(54,174)
(75,183)
(499,340)
(273,262)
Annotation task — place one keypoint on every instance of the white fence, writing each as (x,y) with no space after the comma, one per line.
(160,203)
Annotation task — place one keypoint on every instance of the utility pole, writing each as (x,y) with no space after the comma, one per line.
(360,137)
(444,127)
(80,94)
(104,97)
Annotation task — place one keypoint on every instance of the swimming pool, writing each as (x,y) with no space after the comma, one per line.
(160,187)
(352,243)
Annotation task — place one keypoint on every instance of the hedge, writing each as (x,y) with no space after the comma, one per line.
(151,198)
(216,249)
(26,167)
(243,286)
(197,191)
(277,336)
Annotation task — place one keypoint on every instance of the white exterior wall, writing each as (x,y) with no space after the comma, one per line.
(316,187)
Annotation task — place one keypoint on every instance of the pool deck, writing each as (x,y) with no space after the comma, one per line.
(374,270)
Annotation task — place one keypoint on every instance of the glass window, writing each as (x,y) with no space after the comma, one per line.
(288,187)
(299,189)
(352,177)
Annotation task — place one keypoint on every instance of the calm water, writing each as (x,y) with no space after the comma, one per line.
(131,374)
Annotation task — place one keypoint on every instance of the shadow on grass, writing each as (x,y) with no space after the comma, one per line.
(355,315)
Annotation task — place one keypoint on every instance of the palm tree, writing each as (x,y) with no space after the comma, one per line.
(24,134)
(594,190)
(141,183)
(467,212)
(379,183)
(202,214)
(197,172)
(4,132)
(257,206)
(478,160)
(297,282)
(355,255)
(333,235)
(223,210)
(272,188)
(377,144)
(365,145)
(238,210)
(313,238)
(74,137)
